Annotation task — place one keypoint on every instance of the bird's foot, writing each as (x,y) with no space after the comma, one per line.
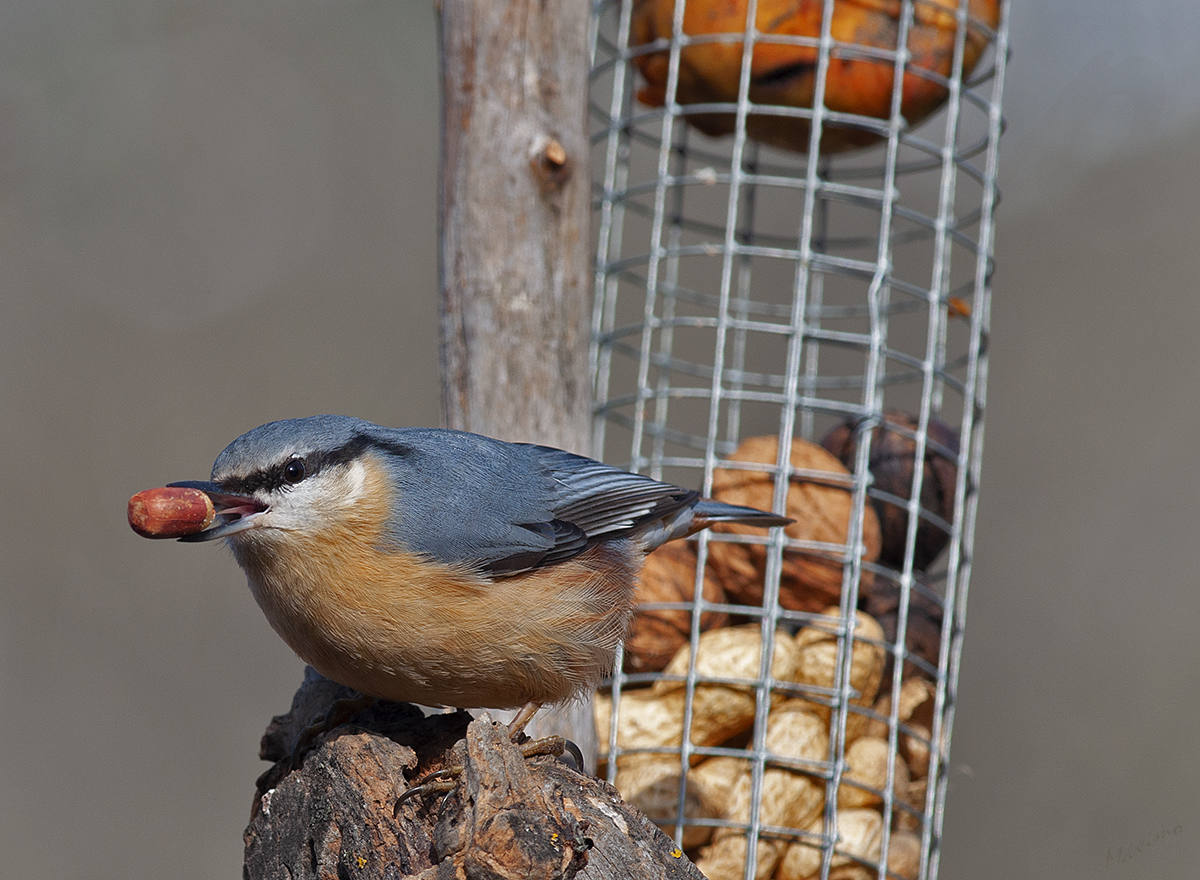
(437,782)
(557,746)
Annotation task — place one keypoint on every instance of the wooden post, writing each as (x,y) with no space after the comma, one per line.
(327,807)
(515,242)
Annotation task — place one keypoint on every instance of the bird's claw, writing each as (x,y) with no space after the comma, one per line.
(440,781)
(546,745)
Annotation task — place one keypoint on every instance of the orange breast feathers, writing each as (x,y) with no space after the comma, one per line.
(399,626)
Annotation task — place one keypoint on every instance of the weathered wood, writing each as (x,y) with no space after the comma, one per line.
(505,819)
(515,245)
(515,242)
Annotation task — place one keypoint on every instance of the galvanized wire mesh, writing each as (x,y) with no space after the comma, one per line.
(745,290)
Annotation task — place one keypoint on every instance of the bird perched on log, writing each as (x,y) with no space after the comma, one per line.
(438,566)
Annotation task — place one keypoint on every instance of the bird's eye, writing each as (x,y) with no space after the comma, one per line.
(293,471)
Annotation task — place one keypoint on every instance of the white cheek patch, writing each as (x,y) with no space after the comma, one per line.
(356,481)
(318,502)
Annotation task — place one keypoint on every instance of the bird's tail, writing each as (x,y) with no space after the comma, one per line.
(707,512)
(694,515)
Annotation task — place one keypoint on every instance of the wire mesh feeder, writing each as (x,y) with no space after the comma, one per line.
(795,244)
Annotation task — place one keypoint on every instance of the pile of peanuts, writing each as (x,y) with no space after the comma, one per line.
(794,786)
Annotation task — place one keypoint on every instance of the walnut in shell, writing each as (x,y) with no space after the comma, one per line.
(822,509)
(923,629)
(892,462)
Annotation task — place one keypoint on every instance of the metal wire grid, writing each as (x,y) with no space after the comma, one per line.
(741,290)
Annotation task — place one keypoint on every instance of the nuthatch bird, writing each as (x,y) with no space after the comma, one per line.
(442,567)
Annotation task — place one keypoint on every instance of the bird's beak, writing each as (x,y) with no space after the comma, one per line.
(235,513)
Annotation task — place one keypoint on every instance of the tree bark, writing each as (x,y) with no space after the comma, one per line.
(328,810)
(515,241)
(515,246)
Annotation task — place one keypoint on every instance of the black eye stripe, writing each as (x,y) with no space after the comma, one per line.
(280,476)
(276,477)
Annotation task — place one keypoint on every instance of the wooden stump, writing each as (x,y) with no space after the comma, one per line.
(507,818)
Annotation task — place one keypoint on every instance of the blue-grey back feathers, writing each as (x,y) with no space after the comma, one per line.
(501,508)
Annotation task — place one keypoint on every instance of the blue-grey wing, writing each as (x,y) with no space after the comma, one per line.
(467,499)
(606,501)
(504,508)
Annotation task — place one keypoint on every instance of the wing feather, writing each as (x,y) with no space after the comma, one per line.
(506,508)
(604,500)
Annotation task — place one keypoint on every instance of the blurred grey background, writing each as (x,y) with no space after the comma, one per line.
(214,214)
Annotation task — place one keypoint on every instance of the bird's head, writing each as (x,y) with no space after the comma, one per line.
(288,479)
